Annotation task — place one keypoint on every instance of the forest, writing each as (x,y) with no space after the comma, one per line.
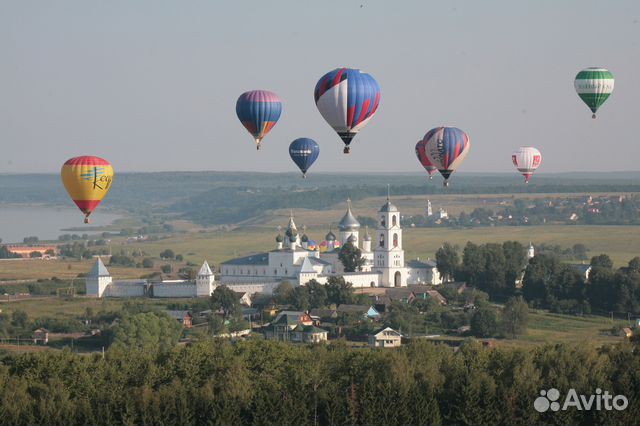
(258,382)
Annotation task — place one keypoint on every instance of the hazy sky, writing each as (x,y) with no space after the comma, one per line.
(152,85)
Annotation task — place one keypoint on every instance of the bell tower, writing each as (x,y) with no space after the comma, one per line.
(388,252)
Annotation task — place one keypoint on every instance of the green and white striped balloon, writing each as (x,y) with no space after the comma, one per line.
(594,85)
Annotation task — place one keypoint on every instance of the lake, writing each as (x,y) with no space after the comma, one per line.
(46,223)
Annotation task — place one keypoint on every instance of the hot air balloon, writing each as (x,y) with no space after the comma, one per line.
(424,160)
(87,179)
(304,152)
(258,111)
(347,99)
(594,85)
(526,159)
(446,148)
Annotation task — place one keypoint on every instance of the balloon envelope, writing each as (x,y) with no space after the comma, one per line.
(423,159)
(87,179)
(258,111)
(347,99)
(304,152)
(446,148)
(526,159)
(594,86)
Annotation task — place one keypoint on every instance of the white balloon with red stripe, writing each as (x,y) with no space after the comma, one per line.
(526,159)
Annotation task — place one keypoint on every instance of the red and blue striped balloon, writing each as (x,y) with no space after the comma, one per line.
(446,148)
(258,111)
(304,152)
(347,99)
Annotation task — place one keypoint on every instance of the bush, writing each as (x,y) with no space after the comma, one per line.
(147,263)
(166,269)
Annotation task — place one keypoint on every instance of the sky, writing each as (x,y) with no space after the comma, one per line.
(151,85)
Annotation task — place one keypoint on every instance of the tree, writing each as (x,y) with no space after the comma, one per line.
(282,293)
(147,263)
(300,298)
(484,322)
(339,291)
(601,261)
(515,256)
(539,278)
(317,294)
(634,264)
(35,254)
(473,264)
(146,330)
(216,324)
(166,269)
(515,316)
(167,254)
(351,258)
(30,240)
(179,258)
(448,261)
(19,318)
(580,251)
(226,299)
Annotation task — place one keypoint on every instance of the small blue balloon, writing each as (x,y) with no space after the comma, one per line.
(304,152)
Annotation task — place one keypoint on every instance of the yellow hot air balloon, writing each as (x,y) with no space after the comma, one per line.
(87,179)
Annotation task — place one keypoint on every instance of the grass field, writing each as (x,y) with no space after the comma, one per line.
(620,242)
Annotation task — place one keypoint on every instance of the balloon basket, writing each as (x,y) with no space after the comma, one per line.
(445,183)
(346,150)
(593,116)
(86,220)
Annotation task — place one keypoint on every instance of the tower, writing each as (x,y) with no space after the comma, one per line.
(330,238)
(429,209)
(205,281)
(530,251)
(348,226)
(97,280)
(292,239)
(388,252)
(366,240)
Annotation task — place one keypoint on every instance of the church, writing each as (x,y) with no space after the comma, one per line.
(296,258)
(299,259)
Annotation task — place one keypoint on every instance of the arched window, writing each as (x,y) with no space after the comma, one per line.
(372,284)
(381,240)
(382,222)
(394,221)
(395,240)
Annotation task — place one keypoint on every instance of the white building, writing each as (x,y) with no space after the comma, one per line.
(293,259)
(296,258)
(99,283)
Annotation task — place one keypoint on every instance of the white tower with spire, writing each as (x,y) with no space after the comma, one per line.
(388,252)
(349,226)
(97,280)
(205,281)
(429,209)
(291,237)
(531,252)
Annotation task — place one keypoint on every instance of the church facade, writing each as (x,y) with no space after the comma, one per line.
(299,259)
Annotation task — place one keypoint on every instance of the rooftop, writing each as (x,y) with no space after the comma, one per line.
(254,259)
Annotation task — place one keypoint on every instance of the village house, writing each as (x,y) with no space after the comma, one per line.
(183,317)
(362,310)
(41,335)
(385,338)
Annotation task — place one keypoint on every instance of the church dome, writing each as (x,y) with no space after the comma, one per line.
(279,239)
(348,221)
(330,236)
(293,238)
(388,207)
(352,239)
(366,237)
(304,238)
